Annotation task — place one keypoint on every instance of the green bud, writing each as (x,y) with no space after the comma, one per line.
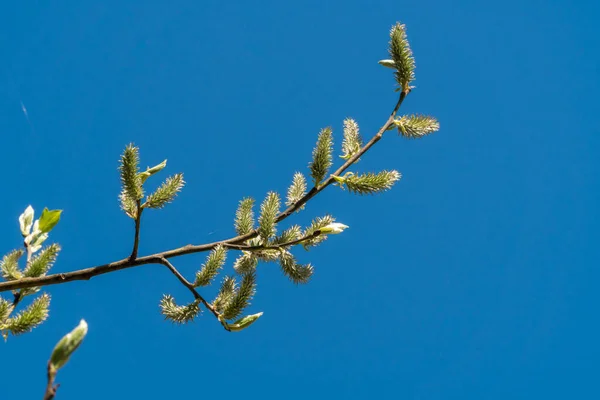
(49,219)
(333,228)
(67,345)
(388,63)
(26,221)
(36,238)
(244,322)
(339,179)
(151,171)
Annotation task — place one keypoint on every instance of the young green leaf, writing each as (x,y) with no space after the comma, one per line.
(32,316)
(244,322)
(316,225)
(244,216)
(166,193)
(67,345)
(322,159)
(10,265)
(297,190)
(241,298)
(333,229)
(352,142)
(40,264)
(131,181)
(416,126)
(268,213)
(402,56)
(35,239)
(151,171)
(178,314)
(214,263)
(49,219)
(388,63)
(26,221)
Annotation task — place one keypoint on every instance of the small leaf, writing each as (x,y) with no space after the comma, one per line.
(67,345)
(244,322)
(333,229)
(35,240)
(322,159)
(49,219)
(151,171)
(26,221)
(388,63)
(316,225)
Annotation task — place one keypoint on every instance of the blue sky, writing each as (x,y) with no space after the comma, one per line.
(474,278)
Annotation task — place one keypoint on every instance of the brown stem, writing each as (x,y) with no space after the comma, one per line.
(273,246)
(50,387)
(136,240)
(134,261)
(191,288)
(317,189)
(18,296)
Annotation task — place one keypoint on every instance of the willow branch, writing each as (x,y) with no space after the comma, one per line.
(317,189)
(130,262)
(273,246)
(136,239)
(191,288)
(50,387)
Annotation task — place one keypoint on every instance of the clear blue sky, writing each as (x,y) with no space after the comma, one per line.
(475,278)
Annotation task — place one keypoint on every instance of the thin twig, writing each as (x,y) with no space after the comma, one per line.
(273,246)
(136,240)
(191,288)
(317,189)
(51,387)
(88,273)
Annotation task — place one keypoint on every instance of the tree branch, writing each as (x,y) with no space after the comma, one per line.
(317,189)
(274,246)
(191,288)
(234,242)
